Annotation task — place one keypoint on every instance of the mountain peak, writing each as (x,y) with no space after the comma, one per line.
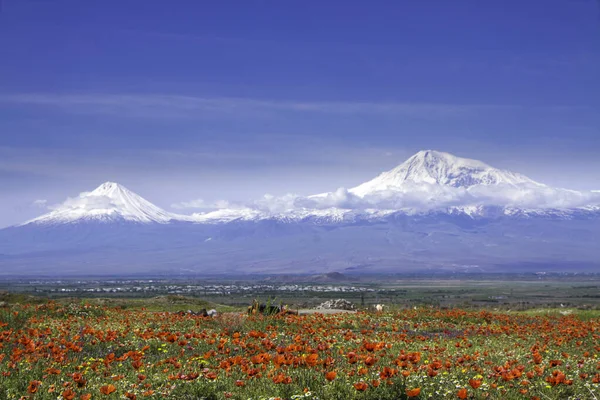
(109,202)
(444,169)
(108,185)
(437,166)
(430,153)
(109,189)
(440,157)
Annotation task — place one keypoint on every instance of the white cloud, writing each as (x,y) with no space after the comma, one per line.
(42,203)
(427,197)
(167,105)
(200,204)
(534,197)
(197,204)
(276,204)
(84,202)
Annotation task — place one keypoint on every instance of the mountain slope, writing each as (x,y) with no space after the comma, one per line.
(399,243)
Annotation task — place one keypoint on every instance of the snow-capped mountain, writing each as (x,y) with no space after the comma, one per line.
(433,181)
(429,181)
(109,202)
(438,168)
(434,211)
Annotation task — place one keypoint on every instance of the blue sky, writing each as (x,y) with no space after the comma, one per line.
(234,99)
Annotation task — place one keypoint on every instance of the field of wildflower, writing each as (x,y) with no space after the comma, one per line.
(81,351)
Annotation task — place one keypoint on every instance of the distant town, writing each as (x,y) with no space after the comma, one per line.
(162,287)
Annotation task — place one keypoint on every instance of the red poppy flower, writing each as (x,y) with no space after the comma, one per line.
(33,386)
(475,383)
(68,394)
(108,389)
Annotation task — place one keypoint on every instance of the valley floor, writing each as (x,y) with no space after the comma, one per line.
(507,292)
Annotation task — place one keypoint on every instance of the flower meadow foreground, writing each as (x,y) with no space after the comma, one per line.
(54,351)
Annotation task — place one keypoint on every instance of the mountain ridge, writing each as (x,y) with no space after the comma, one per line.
(437,212)
(428,181)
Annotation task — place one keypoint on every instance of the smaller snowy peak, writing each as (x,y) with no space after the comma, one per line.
(439,168)
(109,202)
(109,189)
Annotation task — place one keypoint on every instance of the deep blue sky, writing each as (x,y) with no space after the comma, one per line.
(233,99)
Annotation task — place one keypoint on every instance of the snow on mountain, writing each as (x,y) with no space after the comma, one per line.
(109,202)
(438,168)
(429,181)
(328,215)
